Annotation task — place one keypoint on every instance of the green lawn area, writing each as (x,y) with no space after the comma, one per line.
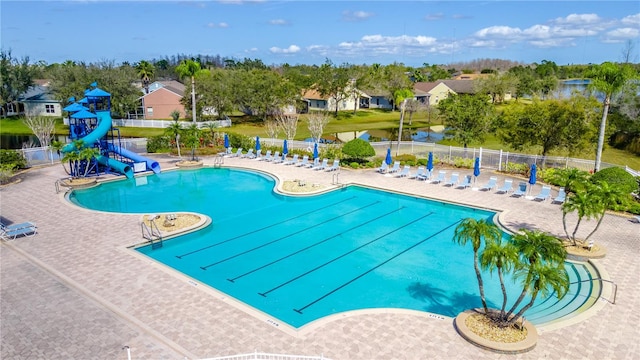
(346,121)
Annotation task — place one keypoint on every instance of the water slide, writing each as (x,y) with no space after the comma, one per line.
(151,164)
(104,124)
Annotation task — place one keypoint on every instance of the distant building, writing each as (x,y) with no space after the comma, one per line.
(163,99)
(38,100)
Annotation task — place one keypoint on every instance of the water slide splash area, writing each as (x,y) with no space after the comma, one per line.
(93,129)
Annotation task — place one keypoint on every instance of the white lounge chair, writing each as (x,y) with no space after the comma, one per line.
(266,157)
(303,162)
(521,190)
(395,168)
(562,196)
(453,180)
(544,194)
(383,168)
(293,161)
(11,232)
(313,164)
(506,188)
(466,182)
(238,153)
(249,154)
(490,184)
(335,166)
(404,172)
(419,172)
(440,178)
(323,165)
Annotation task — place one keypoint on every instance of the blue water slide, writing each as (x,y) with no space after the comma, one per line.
(151,164)
(104,124)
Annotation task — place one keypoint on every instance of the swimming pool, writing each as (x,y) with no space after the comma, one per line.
(299,259)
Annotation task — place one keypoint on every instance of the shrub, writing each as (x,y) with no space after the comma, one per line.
(6,172)
(331,152)
(463,163)
(13,159)
(616,177)
(514,168)
(358,148)
(406,159)
(243,141)
(158,143)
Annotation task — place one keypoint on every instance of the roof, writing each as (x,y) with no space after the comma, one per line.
(460,86)
(97,93)
(164,88)
(314,94)
(37,93)
(425,86)
(171,85)
(470,76)
(84,114)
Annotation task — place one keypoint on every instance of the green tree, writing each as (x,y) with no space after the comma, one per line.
(501,256)
(217,90)
(570,179)
(333,82)
(584,204)
(81,159)
(358,149)
(610,197)
(474,231)
(608,78)
(192,139)
(541,259)
(467,117)
(145,72)
(174,130)
(496,85)
(189,68)
(16,77)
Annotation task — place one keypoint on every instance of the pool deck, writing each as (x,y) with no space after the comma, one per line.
(73,292)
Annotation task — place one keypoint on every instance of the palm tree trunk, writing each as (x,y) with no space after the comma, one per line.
(524,308)
(504,293)
(573,236)
(597,226)
(480,283)
(193,97)
(564,225)
(603,125)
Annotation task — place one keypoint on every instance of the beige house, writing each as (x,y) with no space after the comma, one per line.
(315,101)
(432,92)
(163,98)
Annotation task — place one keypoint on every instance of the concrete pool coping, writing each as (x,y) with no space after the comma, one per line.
(199,326)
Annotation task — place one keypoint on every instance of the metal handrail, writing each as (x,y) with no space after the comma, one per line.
(615,288)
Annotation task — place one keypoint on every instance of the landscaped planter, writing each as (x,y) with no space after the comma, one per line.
(500,347)
(189,164)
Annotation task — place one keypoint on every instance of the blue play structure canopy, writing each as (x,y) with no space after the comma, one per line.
(84,114)
(97,92)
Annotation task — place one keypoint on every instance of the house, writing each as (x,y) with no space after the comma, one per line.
(432,92)
(163,99)
(356,99)
(38,100)
(379,99)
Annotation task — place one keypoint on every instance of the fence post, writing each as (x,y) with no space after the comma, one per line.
(449,153)
(480,156)
(500,161)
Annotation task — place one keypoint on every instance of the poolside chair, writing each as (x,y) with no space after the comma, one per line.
(315,163)
(562,195)
(521,190)
(335,166)
(293,161)
(465,183)
(325,163)
(636,219)
(227,151)
(238,153)
(453,180)
(490,184)
(249,154)
(383,168)
(279,159)
(303,162)
(440,178)
(395,168)
(418,173)
(506,188)
(11,232)
(266,156)
(404,172)
(273,157)
(544,194)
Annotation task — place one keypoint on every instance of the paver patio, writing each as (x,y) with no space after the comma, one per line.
(73,291)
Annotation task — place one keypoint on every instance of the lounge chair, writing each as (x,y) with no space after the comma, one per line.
(293,161)
(490,184)
(266,156)
(506,188)
(313,164)
(440,178)
(322,166)
(636,219)
(562,195)
(395,168)
(11,232)
(418,174)
(465,183)
(544,194)
(249,154)
(279,159)
(453,180)
(521,190)
(227,151)
(236,154)
(383,168)
(404,172)
(274,156)
(303,162)
(335,166)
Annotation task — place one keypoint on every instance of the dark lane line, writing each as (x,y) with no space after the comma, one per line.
(343,255)
(286,236)
(314,244)
(373,268)
(264,228)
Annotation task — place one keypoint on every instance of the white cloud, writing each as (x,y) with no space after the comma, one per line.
(631,20)
(290,50)
(578,19)
(621,34)
(433,17)
(218,25)
(498,31)
(278,22)
(356,15)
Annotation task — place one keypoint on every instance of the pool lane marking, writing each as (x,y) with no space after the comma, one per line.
(286,236)
(264,228)
(373,268)
(343,255)
(314,244)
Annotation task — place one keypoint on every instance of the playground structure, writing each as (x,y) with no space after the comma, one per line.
(90,126)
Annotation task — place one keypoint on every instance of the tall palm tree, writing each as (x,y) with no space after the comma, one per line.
(174,130)
(145,71)
(473,231)
(189,68)
(536,249)
(608,78)
(608,196)
(501,256)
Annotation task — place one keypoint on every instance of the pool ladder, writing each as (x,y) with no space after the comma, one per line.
(152,233)
(218,161)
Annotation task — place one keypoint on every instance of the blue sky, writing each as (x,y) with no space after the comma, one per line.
(308,32)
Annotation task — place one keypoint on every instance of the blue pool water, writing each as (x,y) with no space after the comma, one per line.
(299,259)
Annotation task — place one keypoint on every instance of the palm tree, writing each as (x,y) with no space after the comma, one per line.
(174,130)
(608,196)
(608,78)
(585,204)
(472,230)
(189,68)
(571,179)
(145,71)
(192,139)
(537,249)
(501,256)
